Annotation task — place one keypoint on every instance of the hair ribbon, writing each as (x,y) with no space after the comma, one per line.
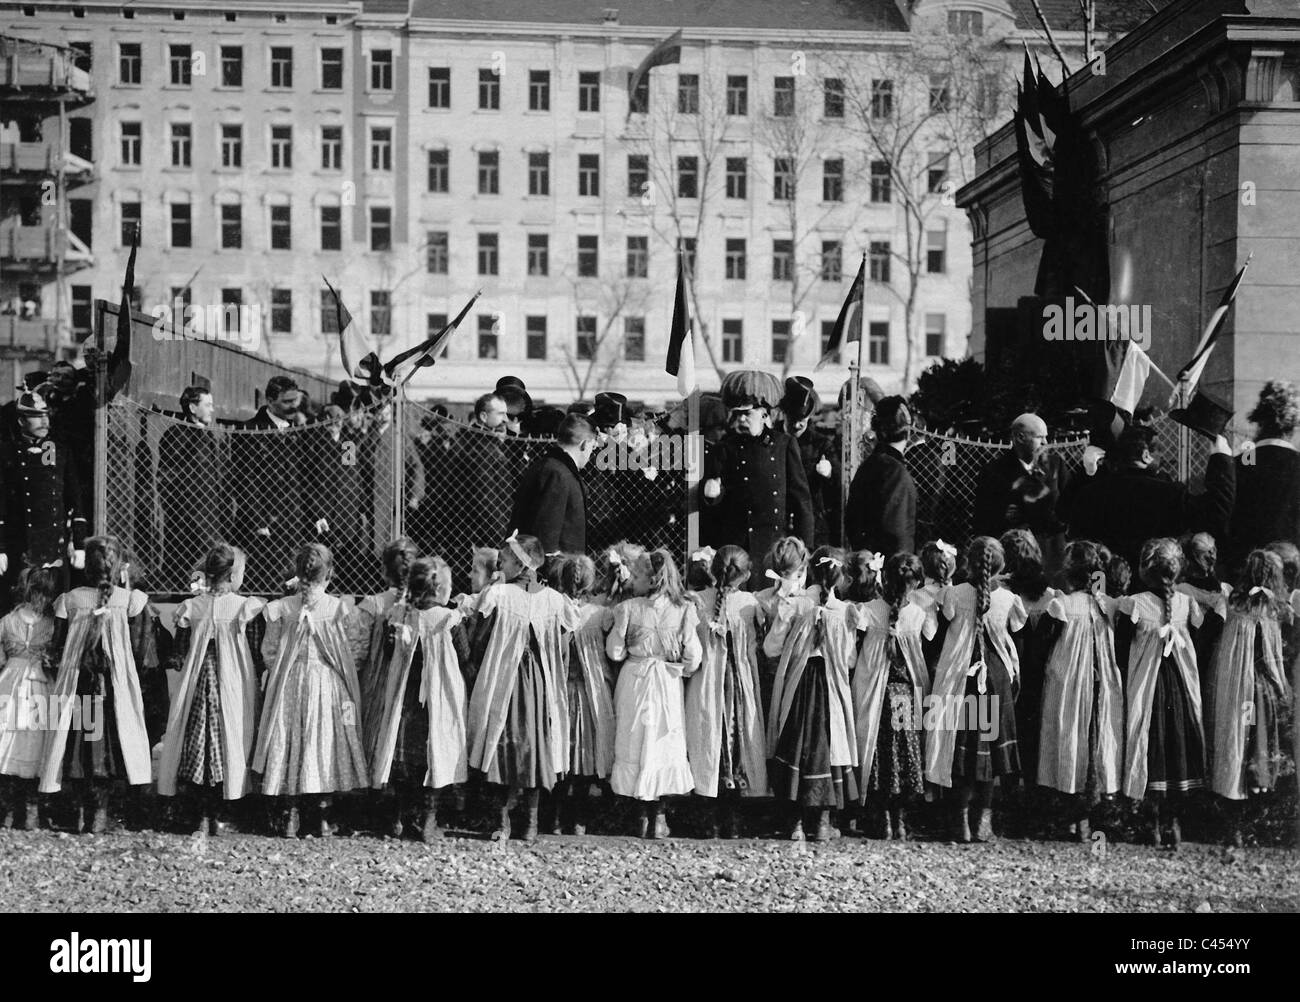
(947,548)
(875,563)
(1261,590)
(512,541)
(835,562)
(704,555)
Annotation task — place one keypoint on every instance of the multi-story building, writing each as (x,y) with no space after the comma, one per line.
(414,153)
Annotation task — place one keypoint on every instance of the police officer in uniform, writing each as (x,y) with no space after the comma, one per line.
(754,479)
(41,495)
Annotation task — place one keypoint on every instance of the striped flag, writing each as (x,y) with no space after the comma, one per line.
(848,325)
(1131,379)
(399,369)
(667,51)
(119,361)
(359,363)
(1190,374)
(681,339)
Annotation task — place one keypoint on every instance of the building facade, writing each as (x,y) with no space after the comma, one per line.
(413,154)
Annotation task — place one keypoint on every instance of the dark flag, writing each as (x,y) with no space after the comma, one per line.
(667,51)
(848,325)
(359,365)
(400,368)
(681,342)
(119,362)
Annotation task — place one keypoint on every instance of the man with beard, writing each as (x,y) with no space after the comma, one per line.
(191,476)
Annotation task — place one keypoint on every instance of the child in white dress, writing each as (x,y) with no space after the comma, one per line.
(974,742)
(724,718)
(655,637)
(309,741)
(26,680)
(209,741)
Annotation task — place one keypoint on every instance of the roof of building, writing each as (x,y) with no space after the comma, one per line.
(807,15)
(1113,16)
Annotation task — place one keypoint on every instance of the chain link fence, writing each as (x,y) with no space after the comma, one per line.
(352,484)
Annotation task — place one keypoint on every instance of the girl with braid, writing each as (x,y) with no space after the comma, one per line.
(1164,756)
(889,683)
(1082,728)
(102,638)
(972,722)
(590,688)
(371,635)
(1250,694)
(811,746)
(724,718)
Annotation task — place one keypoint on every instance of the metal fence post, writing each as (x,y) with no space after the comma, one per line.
(397,430)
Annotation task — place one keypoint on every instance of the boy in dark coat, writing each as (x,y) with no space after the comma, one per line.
(881,512)
(551,502)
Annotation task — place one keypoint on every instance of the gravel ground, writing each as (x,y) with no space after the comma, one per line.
(146,871)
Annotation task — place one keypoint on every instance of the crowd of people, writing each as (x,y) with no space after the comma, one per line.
(848,684)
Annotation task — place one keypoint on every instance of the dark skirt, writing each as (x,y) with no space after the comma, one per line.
(898,769)
(731,760)
(94,750)
(1034,647)
(523,760)
(1175,750)
(1264,751)
(203,756)
(411,752)
(800,770)
(981,755)
(582,719)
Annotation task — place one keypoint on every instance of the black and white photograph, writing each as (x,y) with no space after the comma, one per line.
(672,457)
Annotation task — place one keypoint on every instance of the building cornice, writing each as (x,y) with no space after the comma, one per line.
(643,34)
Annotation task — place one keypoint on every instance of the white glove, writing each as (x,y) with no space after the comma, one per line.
(322,527)
(264,531)
(1220,447)
(650,472)
(79,560)
(712,488)
(4,563)
(823,467)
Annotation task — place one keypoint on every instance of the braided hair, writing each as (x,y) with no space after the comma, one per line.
(902,574)
(219,565)
(613,583)
(1200,554)
(429,582)
(863,585)
(1081,561)
(664,577)
(1261,569)
(937,564)
(984,560)
(1159,565)
(1024,560)
(399,554)
(827,572)
(787,556)
(730,570)
(577,576)
(103,569)
(314,565)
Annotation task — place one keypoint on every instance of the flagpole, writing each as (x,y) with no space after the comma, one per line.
(399,461)
(694,462)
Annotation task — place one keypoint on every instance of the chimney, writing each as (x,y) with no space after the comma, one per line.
(611,15)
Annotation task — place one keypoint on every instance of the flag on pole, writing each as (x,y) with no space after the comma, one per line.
(848,325)
(1191,372)
(667,51)
(359,363)
(399,369)
(681,339)
(119,361)
(1131,379)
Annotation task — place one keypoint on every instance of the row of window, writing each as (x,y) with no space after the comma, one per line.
(184,63)
(538,260)
(438,177)
(587,337)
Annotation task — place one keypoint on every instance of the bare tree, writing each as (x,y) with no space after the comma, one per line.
(918,112)
(611,302)
(817,188)
(683,123)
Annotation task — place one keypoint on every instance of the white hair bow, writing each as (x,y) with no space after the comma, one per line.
(981,672)
(198,583)
(875,563)
(704,555)
(1171,638)
(126,568)
(512,541)
(1261,590)
(835,562)
(614,557)
(773,575)
(947,548)
(292,583)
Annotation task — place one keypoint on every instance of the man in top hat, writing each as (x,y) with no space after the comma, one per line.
(519,405)
(881,513)
(1133,502)
(754,478)
(612,493)
(821,460)
(41,509)
(1021,489)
